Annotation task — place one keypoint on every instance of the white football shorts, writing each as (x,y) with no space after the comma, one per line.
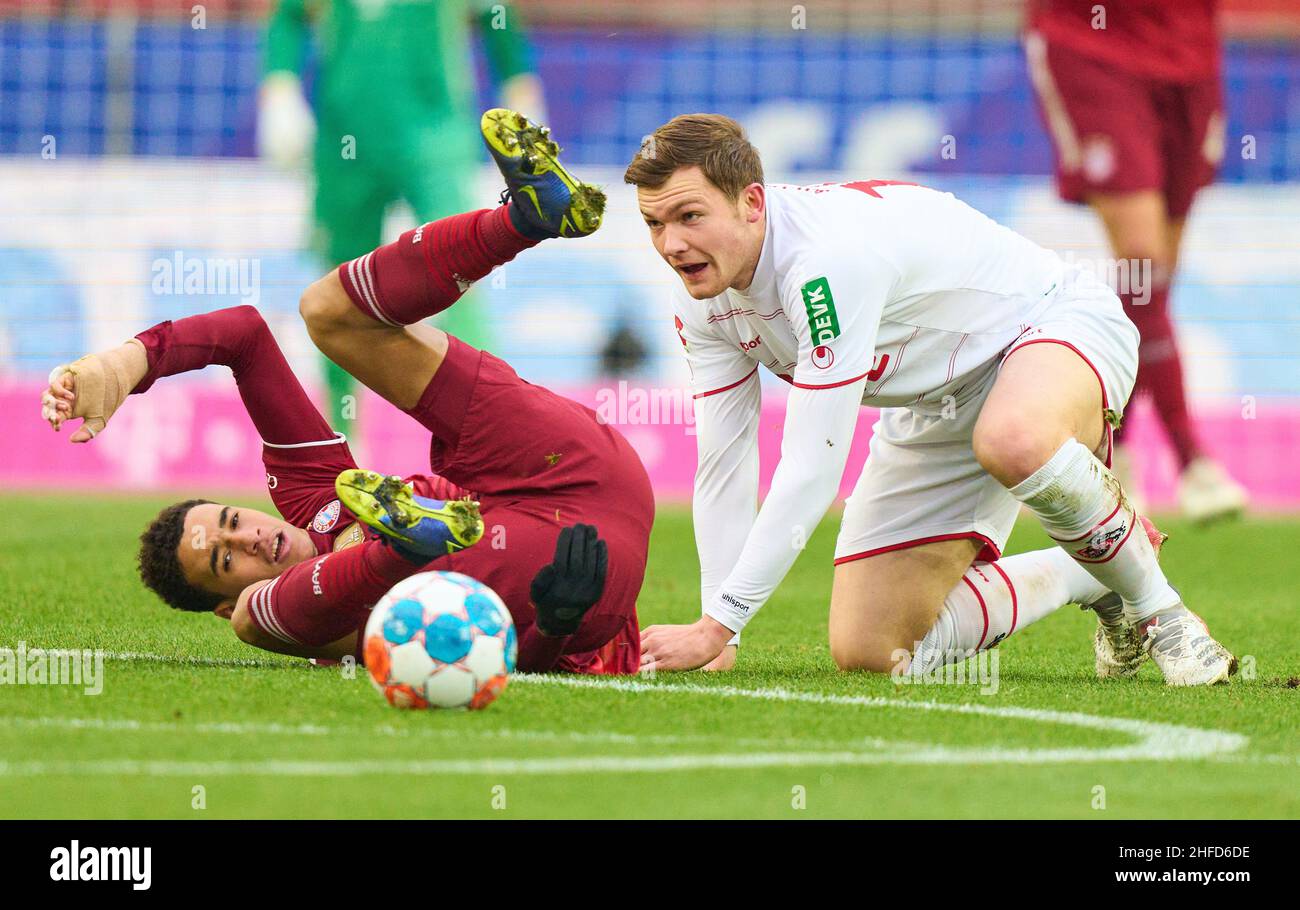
(921,482)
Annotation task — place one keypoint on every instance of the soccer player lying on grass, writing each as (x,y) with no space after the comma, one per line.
(545,471)
(1000,372)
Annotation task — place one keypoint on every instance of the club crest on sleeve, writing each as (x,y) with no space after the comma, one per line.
(326,518)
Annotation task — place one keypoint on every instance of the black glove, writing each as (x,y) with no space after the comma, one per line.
(565,590)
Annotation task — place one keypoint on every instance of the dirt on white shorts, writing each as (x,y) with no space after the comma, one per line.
(921,482)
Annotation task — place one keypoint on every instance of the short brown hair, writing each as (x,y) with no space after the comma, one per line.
(714,143)
(160,566)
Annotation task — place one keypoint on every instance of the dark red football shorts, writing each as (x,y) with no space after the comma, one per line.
(537,462)
(1120,132)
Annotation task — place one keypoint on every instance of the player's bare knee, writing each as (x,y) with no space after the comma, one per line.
(324,306)
(854,660)
(314,307)
(1012,450)
(877,655)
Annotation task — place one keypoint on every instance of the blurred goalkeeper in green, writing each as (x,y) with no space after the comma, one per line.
(395,119)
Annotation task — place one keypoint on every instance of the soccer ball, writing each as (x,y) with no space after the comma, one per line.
(440,640)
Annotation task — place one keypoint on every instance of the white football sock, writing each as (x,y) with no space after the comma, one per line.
(1081,505)
(994,599)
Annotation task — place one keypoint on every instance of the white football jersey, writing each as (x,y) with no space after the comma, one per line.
(876,292)
(902,284)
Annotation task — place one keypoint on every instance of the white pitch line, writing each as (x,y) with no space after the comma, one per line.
(1258,759)
(385,730)
(606,764)
(1161,741)
(1154,742)
(140,726)
(189,659)
(1158,741)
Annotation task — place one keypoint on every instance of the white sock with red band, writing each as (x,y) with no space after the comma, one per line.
(994,599)
(1081,505)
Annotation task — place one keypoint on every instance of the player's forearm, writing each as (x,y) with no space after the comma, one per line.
(793,508)
(238,338)
(721,527)
(226,337)
(725,499)
(819,428)
(723,508)
(332,651)
(129,362)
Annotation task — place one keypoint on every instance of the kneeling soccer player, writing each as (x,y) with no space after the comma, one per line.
(546,473)
(1000,372)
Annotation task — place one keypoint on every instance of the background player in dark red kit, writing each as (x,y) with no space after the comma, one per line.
(1131,97)
(537,463)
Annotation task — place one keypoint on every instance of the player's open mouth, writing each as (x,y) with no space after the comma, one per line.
(279,547)
(693,269)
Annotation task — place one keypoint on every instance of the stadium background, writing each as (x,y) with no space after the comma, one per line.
(151,163)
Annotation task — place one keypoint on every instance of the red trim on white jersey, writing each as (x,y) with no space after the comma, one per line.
(952,361)
(738,311)
(829,385)
(726,388)
(898,361)
(722,317)
(988,553)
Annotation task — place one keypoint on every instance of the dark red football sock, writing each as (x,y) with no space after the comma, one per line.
(1160,370)
(427,269)
(321,600)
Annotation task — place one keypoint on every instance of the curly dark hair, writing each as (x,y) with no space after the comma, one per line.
(160,567)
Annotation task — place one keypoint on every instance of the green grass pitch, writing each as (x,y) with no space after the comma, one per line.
(783,736)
